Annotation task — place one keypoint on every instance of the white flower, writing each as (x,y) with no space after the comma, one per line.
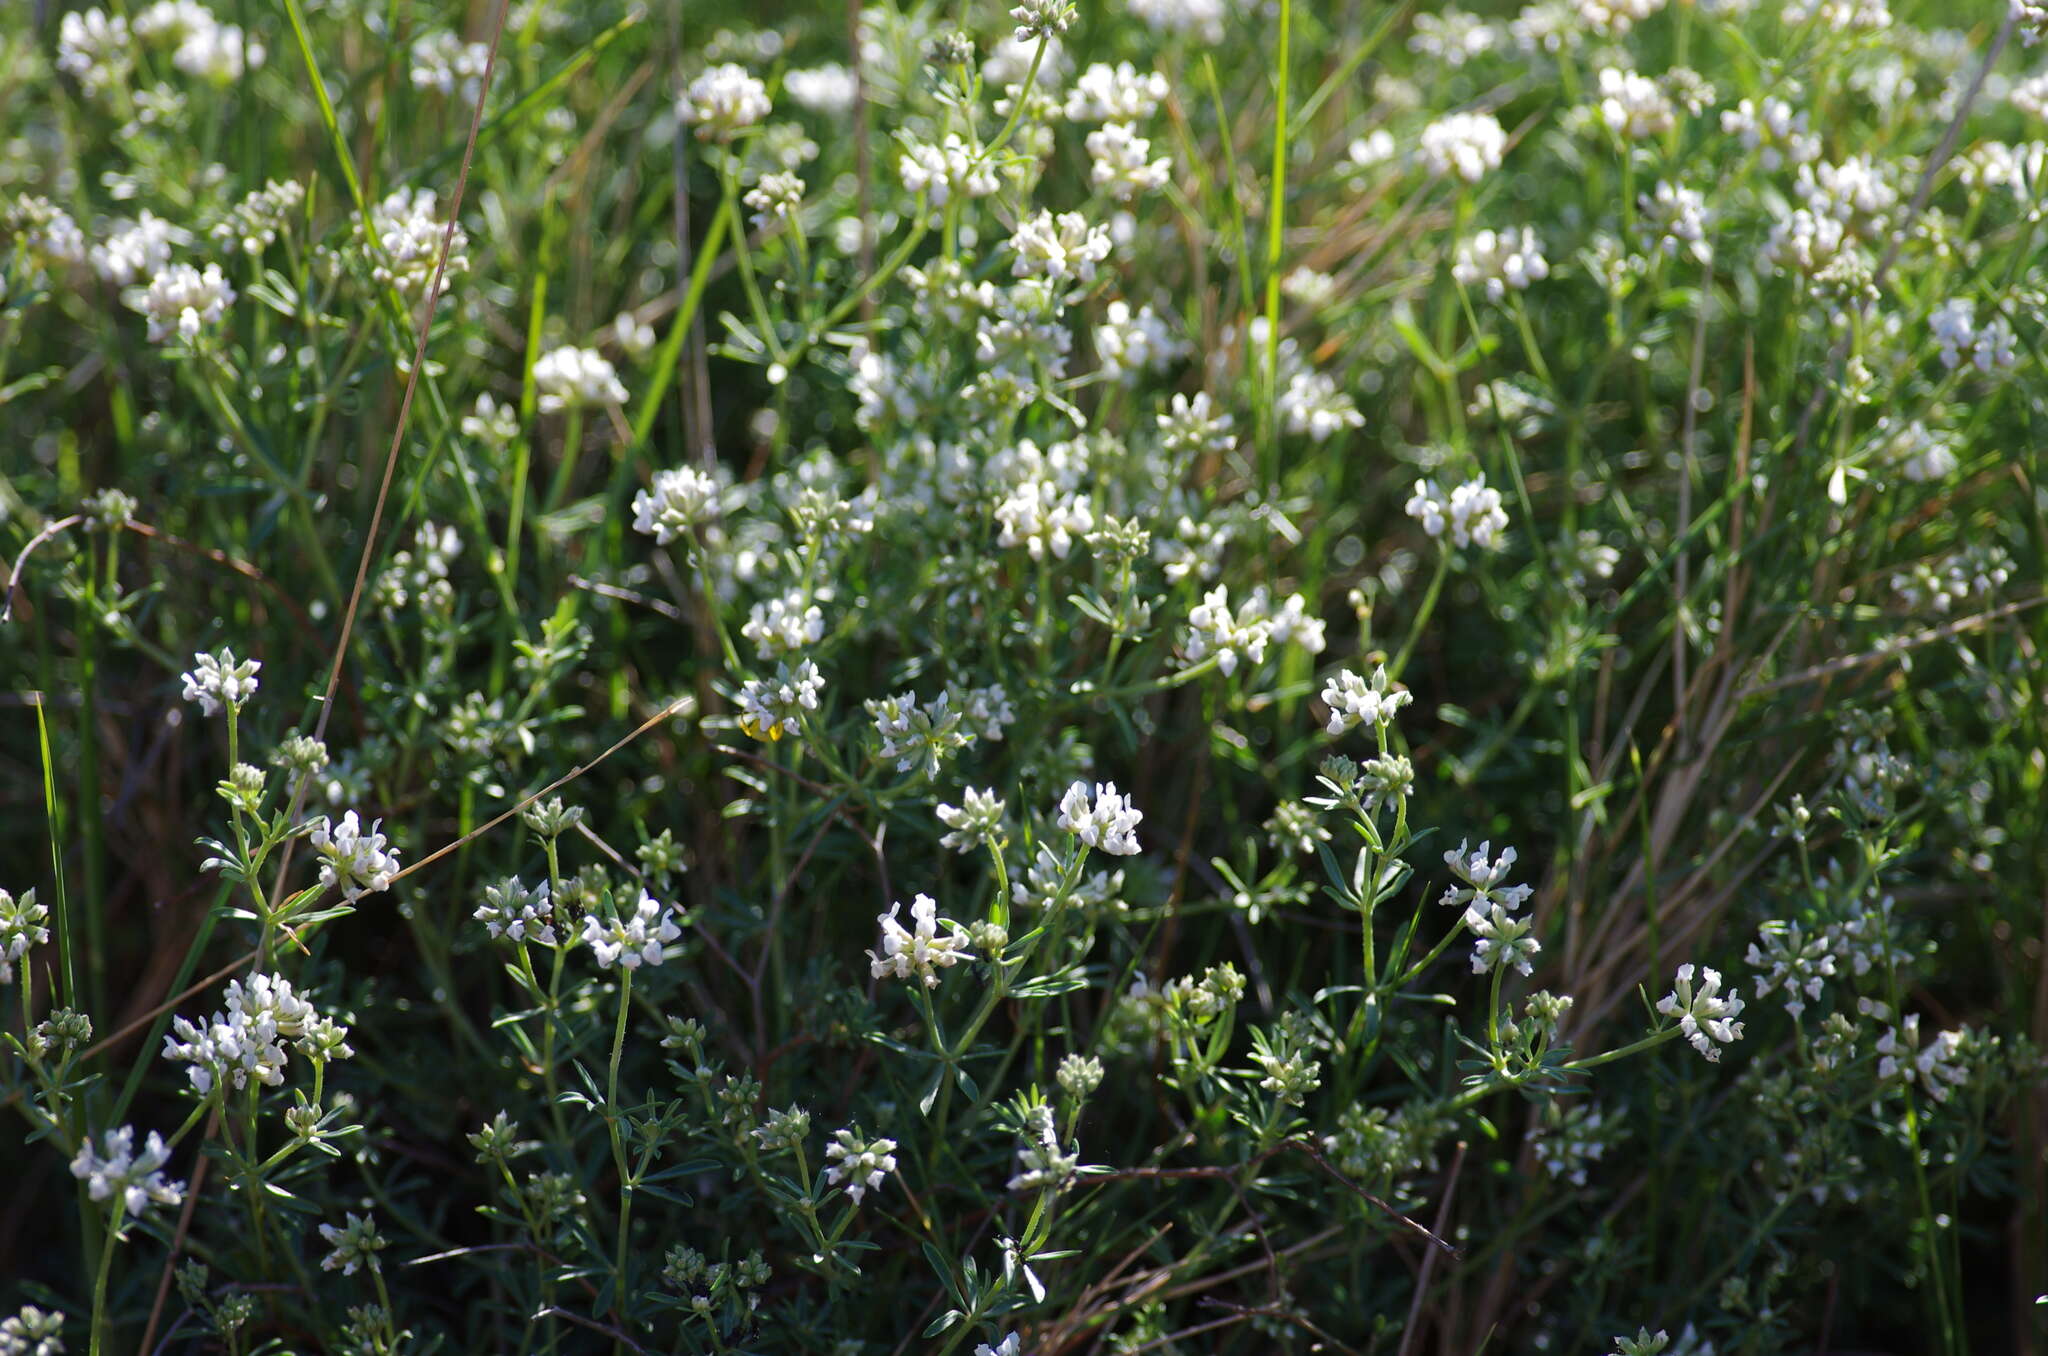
(1617,17)
(1774,130)
(1123,165)
(1482,878)
(246,1039)
(1041,1162)
(1473,512)
(783,625)
(921,951)
(1063,248)
(136,251)
(722,102)
(218,680)
(1108,823)
(21,927)
(511,910)
(914,733)
(1465,144)
(1189,427)
(1313,405)
(1934,1066)
(1116,93)
(773,707)
(1133,342)
(1009,1346)
(977,820)
(180,300)
(1799,963)
(862,1164)
(1353,701)
(93,49)
(353,1244)
(1292,625)
(1039,515)
(1632,106)
(1501,260)
(32,1332)
(1202,18)
(217,53)
(408,244)
(1503,939)
(777,197)
(135,1179)
(1215,630)
(446,64)
(1042,18)
(351,858)
(1452,37)
(1376,147)
(678,500)
(945,169)
(1678,216)
(1703,1015)
(633,939)
(571,378)
(829,89)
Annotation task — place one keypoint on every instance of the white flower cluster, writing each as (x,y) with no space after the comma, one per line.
(1353,701)
(182,301)
(408,244)
(631,939)
(678,500)
(978,819)
(1123,162)
(1203,19)
(941,170)
(1677,215)
(1500,260)
(782,625)
(246,1039)
(1131,343)
(1468,145)
(920,951)
(830,89)
(1503,938)
(723,102)
(1616,17)
(1045,508)
(861,1164)
(1116,93)
(1578,1139)
(218,680)
(22,925)
(1977,571)
(1990,348)
(574,378)
(1936,1066)
(1106,821)
(1472,513)
(1794,962)
(1632,106)
(1312,404)
(916,734)
(444,63)
(1774,130)
(94,49)
(139,250)
(1041,1162)
(1703,1014)
(511,910)
(135,1180)
(1453,37)
(355,859)
(1063,248)
(773,707)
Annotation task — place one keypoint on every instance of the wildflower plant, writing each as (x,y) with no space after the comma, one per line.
(1106,669)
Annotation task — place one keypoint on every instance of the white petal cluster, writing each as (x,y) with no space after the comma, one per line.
(1616,17)
(218,680)
(861,1164)
(777,197)
(1632,106)
(246,1039)
(632,939)
(1064,248)
(1499,260)
(511,910)
(783,625)
(1045,509)
(1989,348)
(976,820)
(353,858)
(182,301)
(830,89)
(1041,1162)
(1774,130)
(444,63)
(1133,342)
(1123,162)
(140,250)
(1935,1066)
(773,707)
(1472,513)
(1106,821)
(1213,629)
(1353,701)
(939,171)
(920,951)
(1793,962)
(678,500)
(573,378)
(93,49)
(408,244)
(1703,1014)
(1503,938)
(722,102)
(1452,37)
(915,734)
(1677,215)
(1468,145)
(1118,93)
(120,1173)
(22,925)
(217,53)
(1482,877)
(1312,404)
(1190,427)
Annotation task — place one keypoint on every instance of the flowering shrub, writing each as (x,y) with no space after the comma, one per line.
(670,677)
